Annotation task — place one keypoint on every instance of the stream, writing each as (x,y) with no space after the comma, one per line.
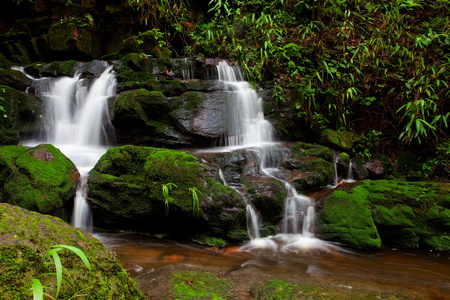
(414,273)
(76,124)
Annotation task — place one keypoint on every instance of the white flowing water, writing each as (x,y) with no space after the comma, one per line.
(249,129)
(76,121)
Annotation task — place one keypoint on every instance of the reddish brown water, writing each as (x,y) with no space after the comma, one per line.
(422,275)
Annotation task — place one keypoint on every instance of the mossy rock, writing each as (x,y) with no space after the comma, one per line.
(268,199)
(200,285)
(40,179)
(14,79)
(55,68)
(301,150)
(9,137)
(342,140)
(346,218)
(21,110)
(413,214)
(133,71)
(68,37)
(137,108)
(280,289)
(24,239)
(4,62)
(126,185)
(316,173)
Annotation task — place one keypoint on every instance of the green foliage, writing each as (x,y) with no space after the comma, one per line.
(345,59)
(52,254)
(2,108)
(195,201)
(439,165)
(165,190)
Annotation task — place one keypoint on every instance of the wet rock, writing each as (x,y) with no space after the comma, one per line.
(26,236)
(21,111)
(377,167)
(125,187)
(14,79)
(41,179)
(340,140)
(412,214)
(314,164)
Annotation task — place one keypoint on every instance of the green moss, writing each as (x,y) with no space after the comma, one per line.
(212,241)
(139,107)
(344,140)
(40,179)
(301,150)
(193,100)
(26,236)
(407,213)
(200,285)
(280,289)
(347,218)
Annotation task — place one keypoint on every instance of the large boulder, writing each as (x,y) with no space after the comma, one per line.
(126,187)
(25,238)
(413,214)
(19,114)
(41,179)
(340,140)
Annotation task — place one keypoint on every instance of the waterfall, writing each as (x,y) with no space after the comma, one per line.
(247,125)
(248,128)
(76,120)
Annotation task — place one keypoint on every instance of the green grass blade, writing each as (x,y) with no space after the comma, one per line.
(58,267)
(38,291)
(77,252)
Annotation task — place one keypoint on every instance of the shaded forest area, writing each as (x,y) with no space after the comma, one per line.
(380,69)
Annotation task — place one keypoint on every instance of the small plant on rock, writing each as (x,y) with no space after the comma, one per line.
(53,256)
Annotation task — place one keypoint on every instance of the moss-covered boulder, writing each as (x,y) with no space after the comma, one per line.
(145,114)
(340,140)
(135,71)
(313,165)
(41,179)
(19,114)
(346,218)
(68,37)
(126,187)
(413,214)
(14,79)
(24,239)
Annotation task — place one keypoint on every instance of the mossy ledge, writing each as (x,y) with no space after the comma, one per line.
(412,214)
(24,239)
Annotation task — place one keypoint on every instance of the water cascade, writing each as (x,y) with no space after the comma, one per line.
(247,126)
(249,129)
(76,121)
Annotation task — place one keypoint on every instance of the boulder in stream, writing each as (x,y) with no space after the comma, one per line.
(26,236)
(364,214)
(41,179)
(125,189)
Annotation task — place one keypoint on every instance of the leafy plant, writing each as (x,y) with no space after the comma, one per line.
(52,254)
(2,108)
(195,201)
(165,190)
